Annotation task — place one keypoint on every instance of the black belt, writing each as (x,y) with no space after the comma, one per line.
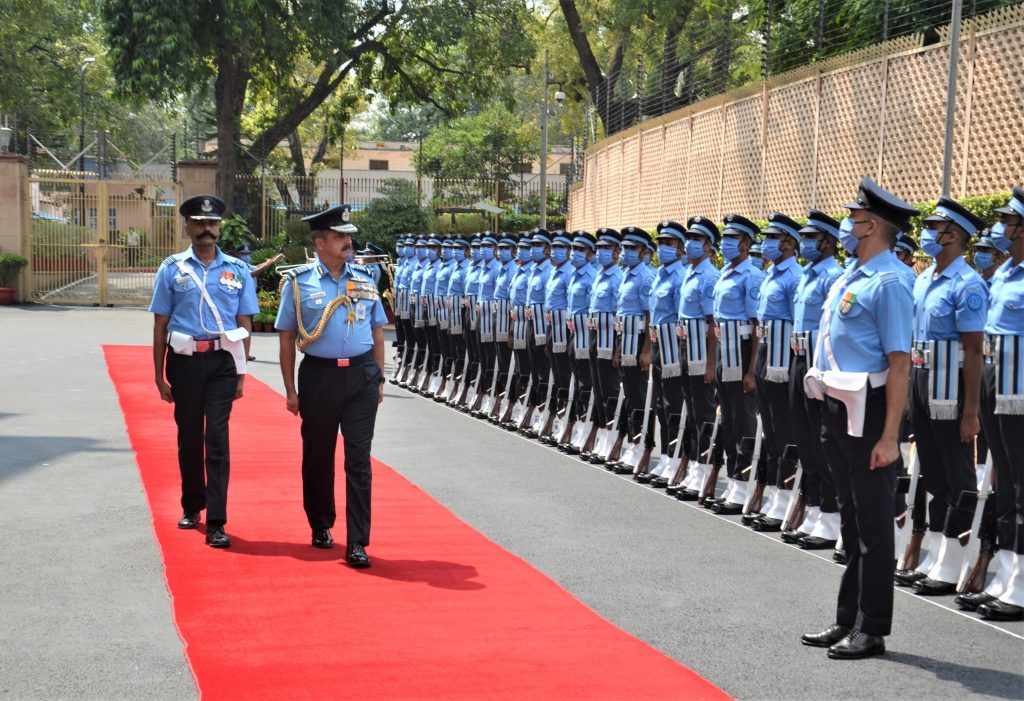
(340,362)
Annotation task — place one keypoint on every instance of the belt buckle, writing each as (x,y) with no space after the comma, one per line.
(919,357)
(204,346)
(344,362)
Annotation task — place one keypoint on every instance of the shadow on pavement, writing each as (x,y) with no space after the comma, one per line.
(974,680)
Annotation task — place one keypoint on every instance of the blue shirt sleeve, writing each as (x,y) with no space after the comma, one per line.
(754,294)
(248,304)
(895,315)
(377,317)
(971,307)
(163,299)
(286,310)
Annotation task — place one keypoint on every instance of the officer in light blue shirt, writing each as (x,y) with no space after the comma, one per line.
(506,267)
(950,302)
(818,241)
(417,309)
(458,321)
(518,289)
(540,254)
(443,304)
(428,291)
(905,249)
(581,280)
(775,317)
(735,309)
(487,283)
(987,258)
(200,342)
(403,337)
(865,335)
(556,317)
(340,379)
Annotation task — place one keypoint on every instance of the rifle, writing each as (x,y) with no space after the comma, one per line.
(678,459)
(541,422)
(496,409)
(907,547)
(973,555)
(754,488)
(603,450)
(561,426)
(581,430)
(639,449)
(711,481)
(797,500)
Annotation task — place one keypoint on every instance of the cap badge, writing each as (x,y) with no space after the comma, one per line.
(206,206)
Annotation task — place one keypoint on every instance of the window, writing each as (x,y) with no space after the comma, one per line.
(522,168)
(92,217)
(565,169)
(112,219)
(378,164)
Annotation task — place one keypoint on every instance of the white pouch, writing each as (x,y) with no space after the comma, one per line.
(851,388)
(180,343)
(238,334)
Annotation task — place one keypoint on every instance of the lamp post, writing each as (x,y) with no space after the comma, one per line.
(559,96)
(81,111)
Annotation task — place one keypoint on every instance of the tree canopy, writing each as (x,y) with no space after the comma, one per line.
(490,144)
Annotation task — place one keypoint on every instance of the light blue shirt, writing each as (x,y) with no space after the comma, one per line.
(473,279)
(520,283)
(604,293)
(908,276)
(1006,300)
(416,277)
(775,299)
(581,281)
(737,292)
(504,279)
(815,282)
(444,278)
(556,293)
(697,296)
(955,302)
(665,293)
(488,279)
(538,281)
(317,288)
(634,298)
(872,314)
(226,279)
(457,280)
(402,273)
(429,285)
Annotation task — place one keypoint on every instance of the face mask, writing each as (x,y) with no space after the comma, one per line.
(730,248)
(929,244)
(432,255)
(488,253)
(846,236)
(421,254)
(524,254)
(504,254)
(630,257)
(446,254)
(694,249)
(604,257)
(475,252)
(770,249)
(245,257)
(757,262)
(537,254)
(559,255)
(460,255)
(667,254)
(809,250)
(578,258)
(998,235)
(983,260)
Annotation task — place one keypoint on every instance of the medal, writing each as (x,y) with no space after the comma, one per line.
(847,302)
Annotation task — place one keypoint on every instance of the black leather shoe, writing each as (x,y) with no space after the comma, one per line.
(189,520)
(826,638)
(971,602)
(766,524)
(322,538)
(1000,611)
(659,483)
(857,645)
(906,578)
(688,495)
(217,538)
(726,508)
(750,518)
(793,537)
(933,587)
(840,557)
(622,469)
(644,478)
(356,556)
(814,542)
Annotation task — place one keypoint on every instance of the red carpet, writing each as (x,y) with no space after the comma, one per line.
(443,613)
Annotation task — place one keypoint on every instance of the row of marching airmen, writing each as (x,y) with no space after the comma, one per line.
(792,381)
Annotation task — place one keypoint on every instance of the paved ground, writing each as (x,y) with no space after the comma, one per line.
(86,614)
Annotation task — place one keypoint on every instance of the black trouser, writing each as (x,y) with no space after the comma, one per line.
(561,368)
(634,385)
(408,346)
(773,403)
(866,510)
(333,398)
(1005,434)
(420,356)
(433,348)
(946,464)
(487,368)
(503,358)
(701,400)
(739,417)
(472,337)
(458,349)
(399,336)
(805,414)
(203,386)
(668,401)
(604,381)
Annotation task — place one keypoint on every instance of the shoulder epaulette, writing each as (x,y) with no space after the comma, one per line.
(360,268)
(169,260)
(888,276)
(299,270)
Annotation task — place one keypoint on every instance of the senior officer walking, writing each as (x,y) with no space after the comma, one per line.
(203,302)
(860,372)
(332,311)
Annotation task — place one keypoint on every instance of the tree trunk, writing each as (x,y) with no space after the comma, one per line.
(233,73)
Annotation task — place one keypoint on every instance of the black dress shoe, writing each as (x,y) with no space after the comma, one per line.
(933,587)
(1000,611)
(217,538)
(688,495)
(659,483)
(840,556)
(750,518)
(814,542)
(766,525)
(971,602)
(622,469)
(356,556)
(189,520)
(643,478)
(857,645)
(793,536)
(906,578)
(322,538)
(826,638)
(727,509)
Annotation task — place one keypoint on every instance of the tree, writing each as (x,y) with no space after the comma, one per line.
(444,52)
(401,124)
(396,211)
(489,144)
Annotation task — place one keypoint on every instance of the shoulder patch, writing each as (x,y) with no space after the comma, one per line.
(645,291)
(709,291)
(975,302)
(754,292)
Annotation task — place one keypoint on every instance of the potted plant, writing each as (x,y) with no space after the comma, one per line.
(10,265)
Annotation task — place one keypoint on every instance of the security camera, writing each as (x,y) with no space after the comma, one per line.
(560,96)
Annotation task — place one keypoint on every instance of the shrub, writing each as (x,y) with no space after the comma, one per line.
(10,265)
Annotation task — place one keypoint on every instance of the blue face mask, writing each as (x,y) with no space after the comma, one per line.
(929,244)
(446,254)
(809,250)
(432,255)
(694,249)
(475,252)
(730,248)
(488,253)
(559,254)
(983,260)
(770,249)
(504,254)
(604,257)
(998,235)
(460,254)
(578,258)
(756,262)
(630,257)
(245,257)
(846,236)
(667,254)
(524,253)
(421,253)
(536,253)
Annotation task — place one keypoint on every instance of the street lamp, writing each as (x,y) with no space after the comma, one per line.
(559,96)
(81,111)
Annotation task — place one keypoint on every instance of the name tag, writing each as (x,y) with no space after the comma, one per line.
(318,295)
